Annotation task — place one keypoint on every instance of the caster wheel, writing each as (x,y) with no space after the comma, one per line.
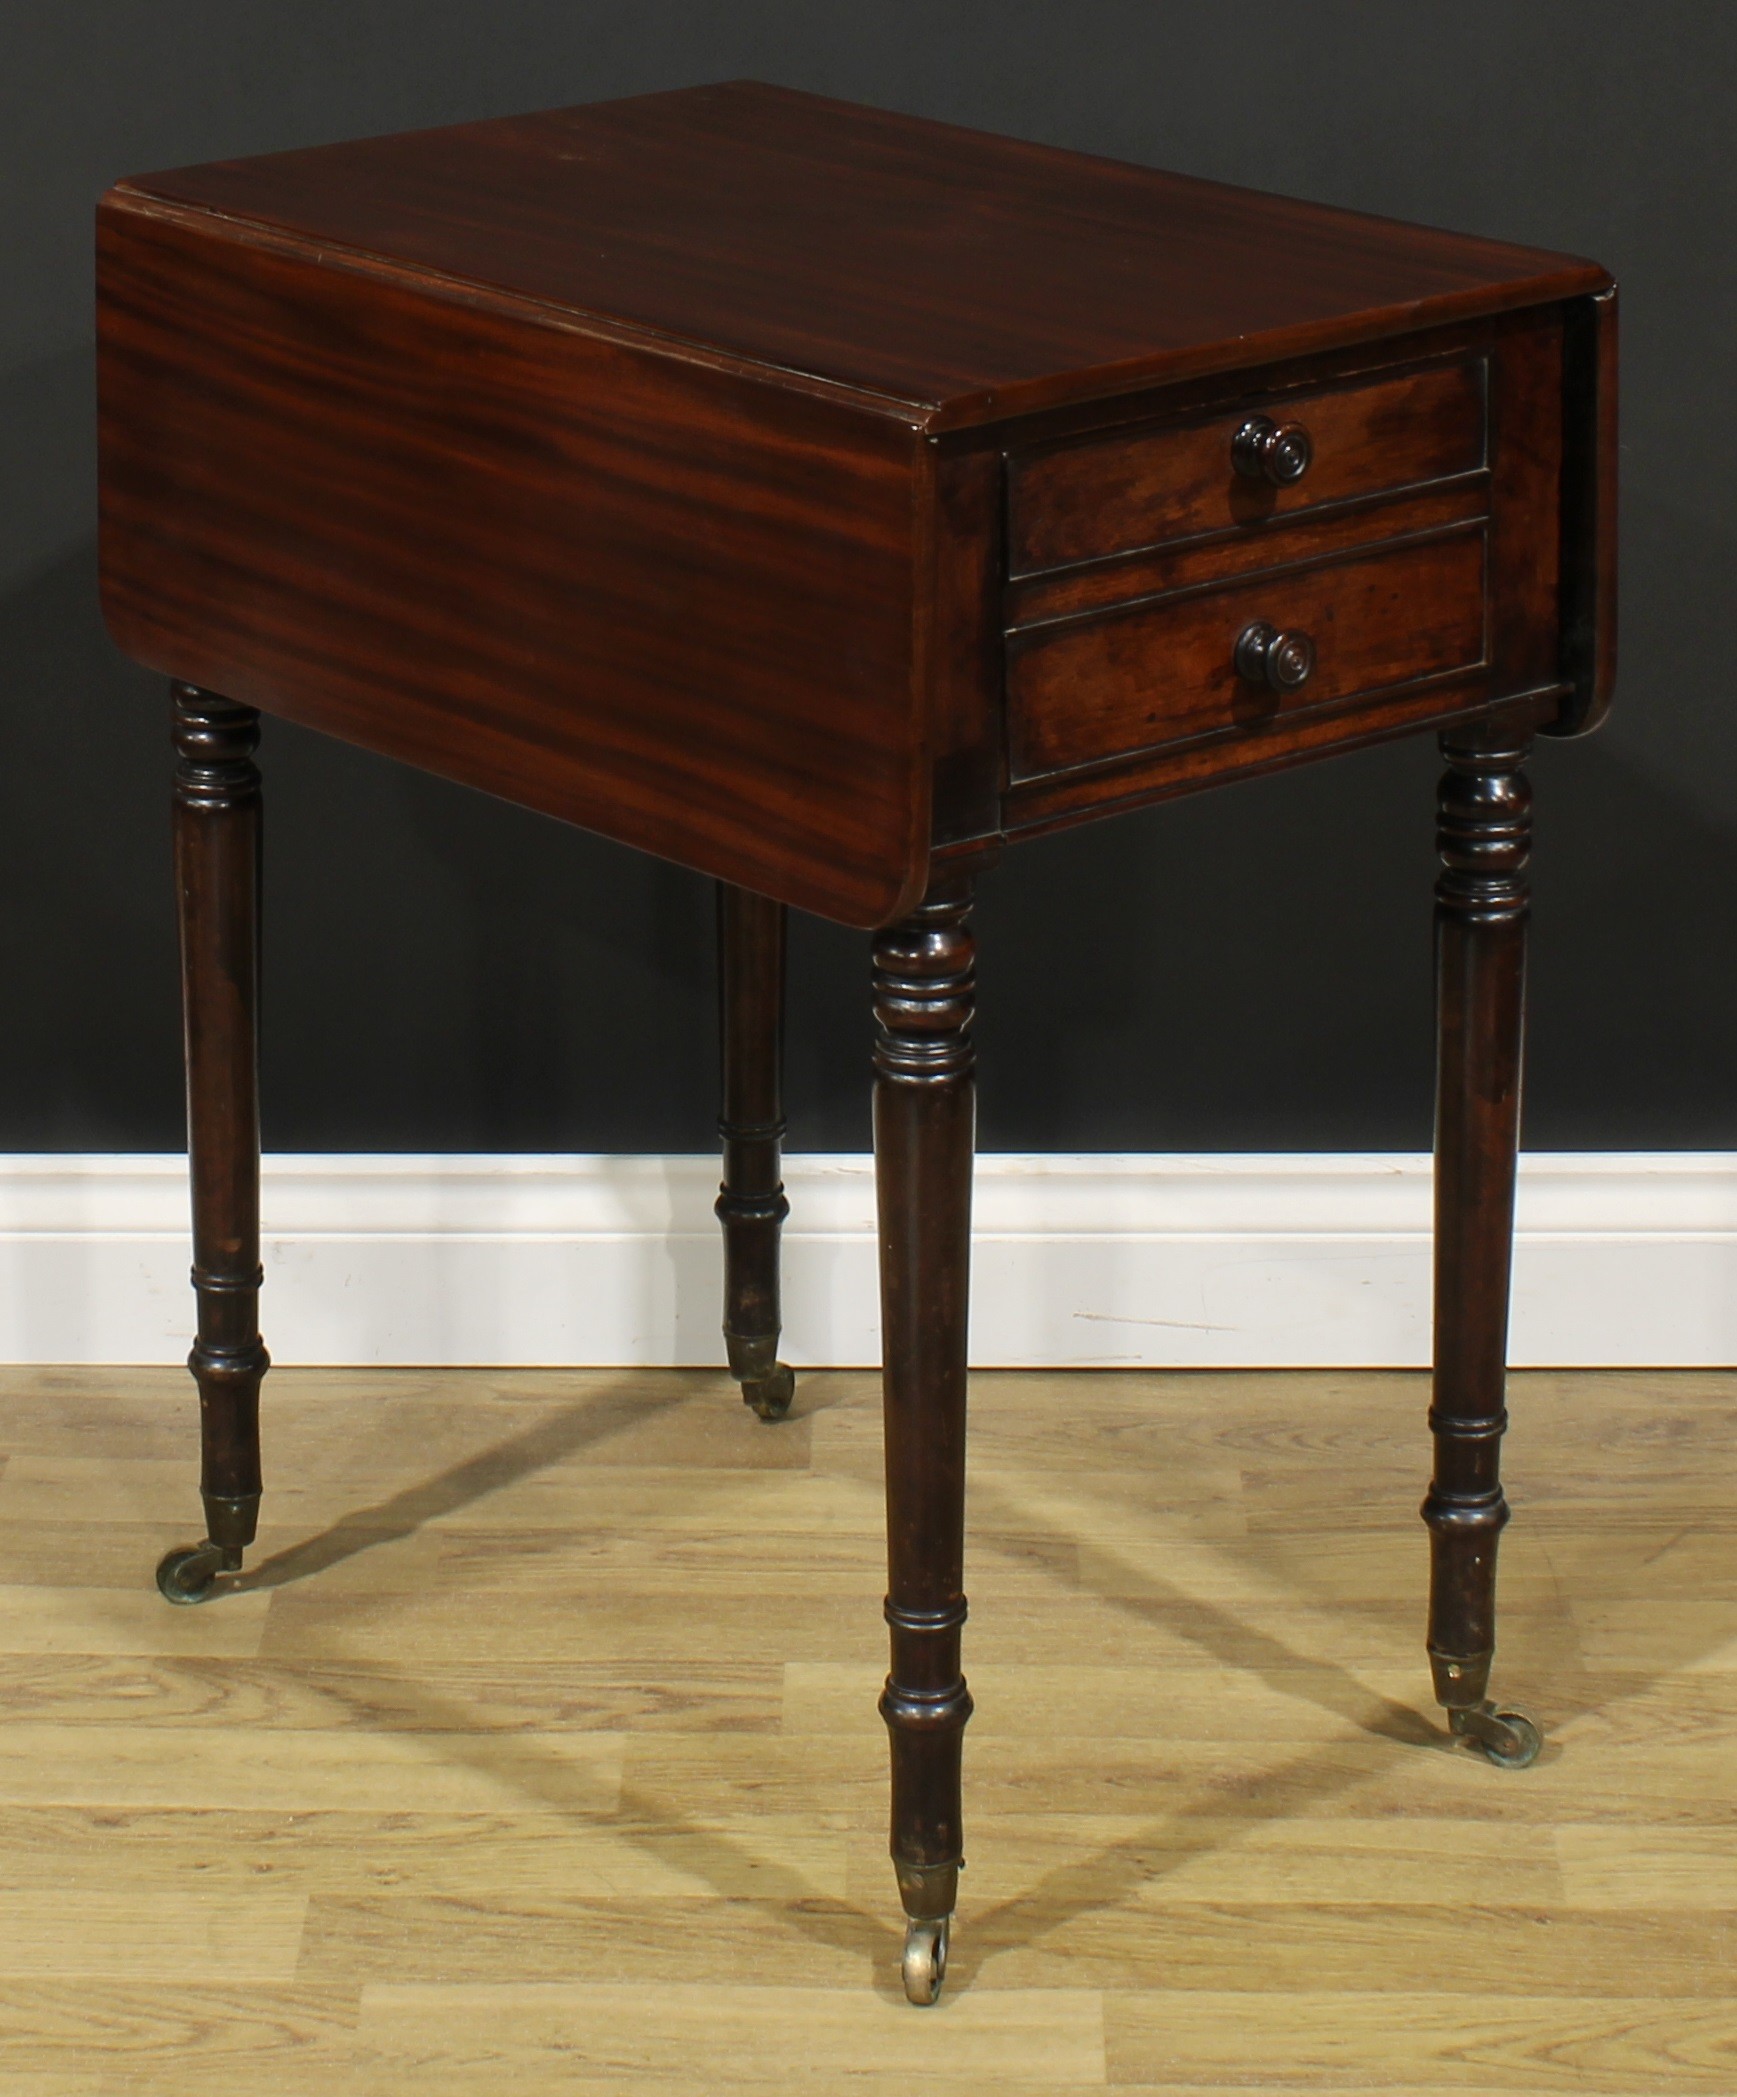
(925,1966)
(1522,1744)
(1501,1735)
(188,1576)
(770,1396)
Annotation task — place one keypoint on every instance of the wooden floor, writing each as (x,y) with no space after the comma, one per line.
(538,1750)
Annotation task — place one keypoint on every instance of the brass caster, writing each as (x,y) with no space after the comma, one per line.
(189,1575)
(925,1966)
(770,1396)
(1501,1735)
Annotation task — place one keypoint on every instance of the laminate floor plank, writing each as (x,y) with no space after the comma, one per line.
(119,1932)
(748,2034)
(1287,1699)
(45,1491)
(537,1746)
(35,1618)
(178,1689)
(1609,2043)
(1076,1937)
(479,1859)
(450,1770)
(1177,1858)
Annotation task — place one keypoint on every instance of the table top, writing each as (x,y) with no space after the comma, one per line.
(800,491)
(957,276)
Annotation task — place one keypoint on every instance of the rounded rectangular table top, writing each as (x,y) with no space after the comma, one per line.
(959,275)
(647,463)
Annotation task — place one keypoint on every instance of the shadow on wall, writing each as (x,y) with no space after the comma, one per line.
(1245,970)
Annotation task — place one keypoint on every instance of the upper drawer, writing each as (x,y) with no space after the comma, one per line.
(1113,494)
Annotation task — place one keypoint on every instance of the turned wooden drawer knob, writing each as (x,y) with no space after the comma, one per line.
(1266,656)
(1264,450)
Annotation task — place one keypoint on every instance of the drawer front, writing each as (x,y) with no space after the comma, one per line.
(1109,685)
(1116,494)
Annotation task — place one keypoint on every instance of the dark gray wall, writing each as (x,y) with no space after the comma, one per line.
(1245,969)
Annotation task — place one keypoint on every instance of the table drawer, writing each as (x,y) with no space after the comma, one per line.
(1165,670)
(1115,494)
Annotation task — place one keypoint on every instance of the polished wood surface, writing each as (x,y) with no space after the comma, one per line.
(644,463)
(752,1205)
(217,825)
(1483,900)
(965,277)
(823,499)
(1120,494)
(1165,669)
(1034,601)
(1145,703)
(534,1754)
(633,591)
(925,991)
(1589,509)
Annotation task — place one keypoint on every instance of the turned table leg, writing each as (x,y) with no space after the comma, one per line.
(217,867)
(924,1111)
(1481,907)
(751,1204)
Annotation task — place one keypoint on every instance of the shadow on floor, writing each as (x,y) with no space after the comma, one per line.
(1213,1818)
(575,1428)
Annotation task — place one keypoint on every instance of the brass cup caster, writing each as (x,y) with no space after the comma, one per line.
(190,1574)
(767,1386)
(1501,1734)
(770,1396)
(925,1961)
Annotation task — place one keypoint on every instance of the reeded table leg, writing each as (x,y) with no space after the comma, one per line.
(1481,906)
(924,1125)
(217,866)
(751,1204)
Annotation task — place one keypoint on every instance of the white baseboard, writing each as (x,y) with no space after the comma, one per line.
(1092,1260)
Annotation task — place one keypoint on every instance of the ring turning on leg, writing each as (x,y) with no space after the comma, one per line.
(217,858)
(924,1118)
(1482,898)
(751,1204)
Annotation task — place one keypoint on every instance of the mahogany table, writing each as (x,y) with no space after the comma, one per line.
(822,499)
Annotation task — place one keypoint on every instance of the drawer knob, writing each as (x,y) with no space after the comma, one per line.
(1266,656)
(1264,450)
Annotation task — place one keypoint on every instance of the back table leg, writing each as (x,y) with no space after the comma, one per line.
(751,1204)
(924,989)
(217,852)
(1481,907)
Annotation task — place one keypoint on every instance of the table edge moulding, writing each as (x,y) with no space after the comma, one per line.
(824,499)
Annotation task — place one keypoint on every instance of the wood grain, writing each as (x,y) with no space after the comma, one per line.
(644,463)
(560,1794)
(1163,670)
(1522,424)
(925,1117)
(1589,508)
(634,592)
(752,1204)
(1482,906)
(1087,501)
(1315,535)
(965,276)
(217,829)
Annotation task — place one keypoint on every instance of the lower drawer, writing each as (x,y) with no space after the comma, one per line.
(1168,669)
